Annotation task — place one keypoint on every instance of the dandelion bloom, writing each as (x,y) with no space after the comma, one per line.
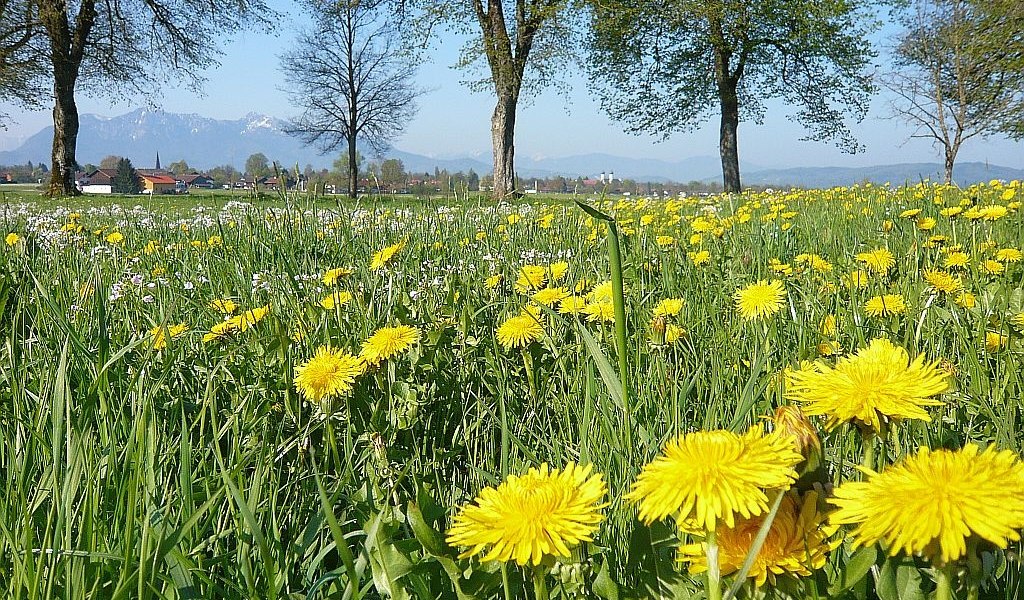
(250,317)
(331,276)
(543,513)
(956,260)
(815,262)
(858,279)
(12,239)
(520,331)
(224,305)
(797,543)
(995,341)
(942,281)
(934,502)
(601,292)
(966,299)
(388,342)
(668,307)
(886,305)
(335,299)
(1009,255)
(992,267)
(557,271)
(664,241)
(160,333)
(493,281)
(699,259)
(707,478)
(531,277)
(910,213)
(571,305)
(550,296)
(926,223)
(220,331)
(760,300)
(600,312)
(114,238)
(328,374)
(876,384)
(878,260)
(383,257)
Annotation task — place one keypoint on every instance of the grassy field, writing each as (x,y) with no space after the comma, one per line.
(151,451)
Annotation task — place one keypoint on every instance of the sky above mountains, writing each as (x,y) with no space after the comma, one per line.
(453,122)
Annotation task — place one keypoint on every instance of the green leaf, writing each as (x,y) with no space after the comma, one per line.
(900,579)
(604,586)
(855,569)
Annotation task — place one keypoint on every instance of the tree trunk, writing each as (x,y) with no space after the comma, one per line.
(353,167)
(951,152)
(727,141)
(65,131)
(503,127)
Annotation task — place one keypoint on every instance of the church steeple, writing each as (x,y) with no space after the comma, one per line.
(157,161)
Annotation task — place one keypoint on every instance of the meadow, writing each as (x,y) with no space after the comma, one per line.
(294,398)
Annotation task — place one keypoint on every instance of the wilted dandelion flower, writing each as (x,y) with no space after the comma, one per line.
(668,307)
(335,299)
(665,241)
(708,478)
(328,374)
(388,342)
(877,384)
(520,331)
(942,281)
(550,296)
(224,305)
(827,326)
(760,300)
(545,512)
(935,502)
(886,305)
(331,276)
(383,257)
(159,334)
(879,260)
(797,543)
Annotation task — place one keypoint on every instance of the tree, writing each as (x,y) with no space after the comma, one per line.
(257,165)
(951,78)
(110,161)
(662,66)
(522,42)
(179,168)
(117,47)
(224,174)
(20,71)
(350,79)
(392,172)
(126,180)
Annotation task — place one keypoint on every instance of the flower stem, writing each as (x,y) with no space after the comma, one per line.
(540,586)
(531,376)
(868,439)
(714,587)
(944,589)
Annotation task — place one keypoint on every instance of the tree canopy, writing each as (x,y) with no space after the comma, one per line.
(664,66)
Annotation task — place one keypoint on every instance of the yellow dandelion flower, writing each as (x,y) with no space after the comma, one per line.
(935,502)
(226,306)
(382,257)
(993,212)
(665,241)
(798,543)
(708,478)
(951,211)
(531,277)
(493,281)
(668,307)
(926,223)
(1018,320)
(777,266)
(858,279)
(966,299)
(160,334)
(674,333)
(114,238)
(910,213)
(760,300)
(956,260)
(601,292)
(12,239)
(886,305)
(331,276)
(827,327)
(879,260)
(699,259)
(545,512)
(557,271)
(600,312)
(995,341)
(877,384)
(814,262)
(571,305)
(942,281)
(520,331)
(1009,255)
(330,373)
(249,318)
(388,342)
(550,296)
(992,267)
(335,299)
(220,331)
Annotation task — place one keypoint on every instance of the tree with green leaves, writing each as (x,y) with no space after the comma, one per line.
(179,167)
(115,47)
(126,180)
(351,78)
(954,76)
(522,43)
(663,66)
(257,165)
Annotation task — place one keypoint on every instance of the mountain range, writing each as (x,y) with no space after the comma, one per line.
(203,142)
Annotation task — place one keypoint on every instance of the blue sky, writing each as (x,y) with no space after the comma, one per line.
(452,121)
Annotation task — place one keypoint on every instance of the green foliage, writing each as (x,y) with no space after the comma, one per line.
(126,180)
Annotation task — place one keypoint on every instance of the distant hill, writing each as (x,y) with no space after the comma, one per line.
(204,143)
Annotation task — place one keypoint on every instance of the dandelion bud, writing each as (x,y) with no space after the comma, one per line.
(791,420)
(658,326)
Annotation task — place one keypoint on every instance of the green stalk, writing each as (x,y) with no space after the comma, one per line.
(714,587)
(540,586)
(944,588)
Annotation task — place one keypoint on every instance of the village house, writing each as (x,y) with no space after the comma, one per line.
(98,181)
(157,184)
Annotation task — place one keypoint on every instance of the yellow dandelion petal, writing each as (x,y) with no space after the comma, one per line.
(520,331)
(160,334)
(668,307)
(935,501)
(335,299)
(385,255)
(877,384)
(545,512)
(879,260)
(550,296)
(942,281)
(388,342)
(328,374)
(760,300)
(886,305)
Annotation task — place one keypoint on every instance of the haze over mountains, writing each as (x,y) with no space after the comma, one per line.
(204,143)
